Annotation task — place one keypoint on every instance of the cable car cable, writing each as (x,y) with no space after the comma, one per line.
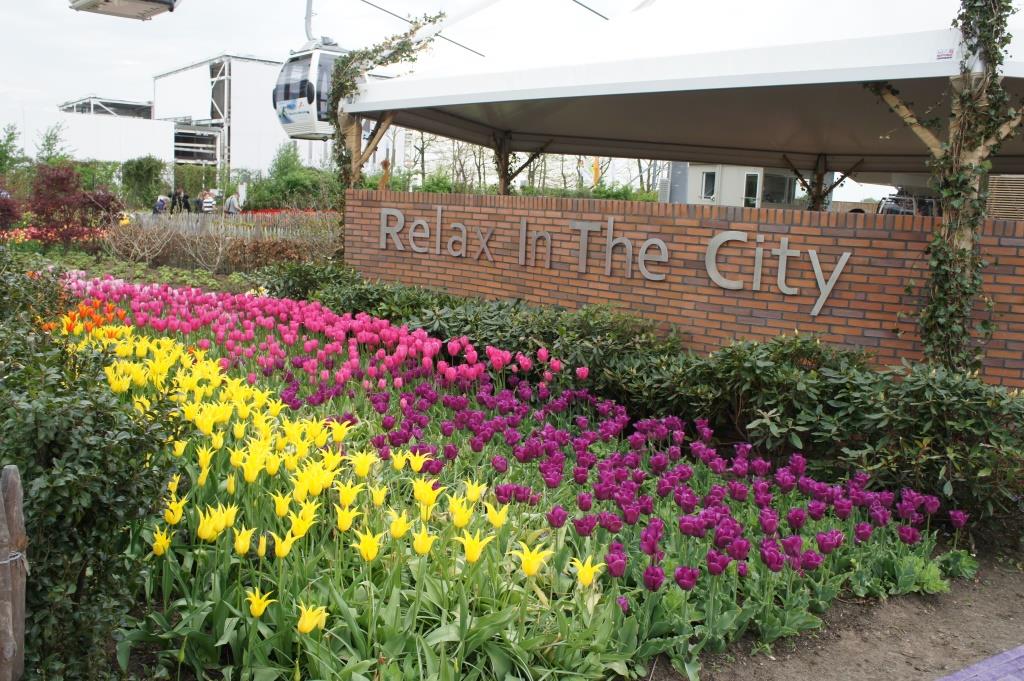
(408,21)
(591,9)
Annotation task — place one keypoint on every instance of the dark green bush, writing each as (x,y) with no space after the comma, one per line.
(299,280)
(89,483)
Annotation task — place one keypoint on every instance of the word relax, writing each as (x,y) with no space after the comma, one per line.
(422,238)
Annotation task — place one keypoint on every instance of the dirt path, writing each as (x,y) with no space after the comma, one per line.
(910,638)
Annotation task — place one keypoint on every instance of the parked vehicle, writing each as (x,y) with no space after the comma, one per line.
(910,205)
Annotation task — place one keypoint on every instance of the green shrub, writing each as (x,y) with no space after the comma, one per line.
(299,280)
(89,482)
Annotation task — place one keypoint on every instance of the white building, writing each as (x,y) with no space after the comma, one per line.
(224,105)
(100,137)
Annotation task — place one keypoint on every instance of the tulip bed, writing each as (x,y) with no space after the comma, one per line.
(354,500)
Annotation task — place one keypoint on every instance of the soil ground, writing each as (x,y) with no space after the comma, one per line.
(909,638)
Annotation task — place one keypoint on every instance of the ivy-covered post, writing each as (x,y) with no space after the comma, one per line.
(349,71)
(982,117)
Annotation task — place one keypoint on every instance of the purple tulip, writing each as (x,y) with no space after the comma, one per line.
(623,604)
(793,545)
(557,517)
(811,560)
(931,504)
(769,520)
(816,509)
(686,577)
(742,569)
(829,541)
(909,535)
(616,563)
(585,525)
(499,463)
(958,518)
(584,501)
(717,562)
(862,532)
(739,549)
(796,517)
(654,576)
(843,508)
(879,515)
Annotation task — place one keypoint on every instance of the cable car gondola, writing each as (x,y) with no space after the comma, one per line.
(129,9)
(303,91)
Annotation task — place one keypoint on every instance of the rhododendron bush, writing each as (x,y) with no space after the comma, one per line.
(356,500)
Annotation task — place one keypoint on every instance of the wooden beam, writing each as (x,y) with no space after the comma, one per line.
(376,136)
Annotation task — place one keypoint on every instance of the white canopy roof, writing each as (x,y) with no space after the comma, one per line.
(654,84)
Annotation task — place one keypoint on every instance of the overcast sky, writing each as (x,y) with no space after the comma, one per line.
(53,54)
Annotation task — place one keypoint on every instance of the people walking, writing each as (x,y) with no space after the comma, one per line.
(180,202)
(231,206)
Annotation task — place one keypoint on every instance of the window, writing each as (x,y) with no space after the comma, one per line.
(323,86)
(292,82)
(750,188)
(707,185)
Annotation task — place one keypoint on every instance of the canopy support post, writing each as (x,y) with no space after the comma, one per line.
(815,187)
(352,133)
(503,161)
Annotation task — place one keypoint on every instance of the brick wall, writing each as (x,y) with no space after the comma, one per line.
(864,309)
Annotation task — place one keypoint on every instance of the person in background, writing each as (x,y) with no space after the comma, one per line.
(161,204)
(231,206)
(180,202)
(208,202)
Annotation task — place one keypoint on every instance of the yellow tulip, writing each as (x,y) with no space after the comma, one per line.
(172,484)
(175,509)
(362,463)
(348,493)
(161,542)
(205,456)
(258,602)
(204,475)
(300,524)
(282,545)
(368,545)
(311,618)
(425,511)
(398,460)
(416,461)
(472,545)
(179,447)
(229,485)
(236,455)
(586,572)
(238,430)
(217,441)
(495,517)
(423,491)
(339,429)
(281,503)
(261,546)
(460,513)
(474,490)
(531,560)
(399,524)
(378,495)
(422,541)
(243,540)
(345,517)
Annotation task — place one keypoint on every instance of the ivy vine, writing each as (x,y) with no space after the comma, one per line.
(982,117)
(351,68)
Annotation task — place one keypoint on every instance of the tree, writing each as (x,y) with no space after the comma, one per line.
(50,149)
(982,117)
(11,154)
(143,180)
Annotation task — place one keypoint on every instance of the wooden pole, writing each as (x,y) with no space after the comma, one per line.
(14,497)
(7,646)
